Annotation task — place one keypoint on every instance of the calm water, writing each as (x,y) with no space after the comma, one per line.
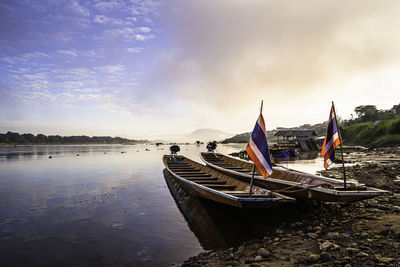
(93,205)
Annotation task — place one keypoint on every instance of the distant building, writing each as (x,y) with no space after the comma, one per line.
(299,138)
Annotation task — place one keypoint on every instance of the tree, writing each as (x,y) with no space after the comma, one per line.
(367,112)
(30,138)
(40,139)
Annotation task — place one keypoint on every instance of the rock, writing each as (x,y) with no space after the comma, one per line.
(254,264)
(325,256)
(254,246)
(297,224)
(279,231)
(263,252)
(249,252)
(333,234)
(312,235)
(362,254)
(348,265)
(326,245)
(258,258)
(276,239)
(232,263)
(318,229)
(352,250)
(313,257)
(383,259)
(240,249)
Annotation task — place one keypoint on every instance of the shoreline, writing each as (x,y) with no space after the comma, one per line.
(365,233)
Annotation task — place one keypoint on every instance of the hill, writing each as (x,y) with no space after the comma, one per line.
(206,135)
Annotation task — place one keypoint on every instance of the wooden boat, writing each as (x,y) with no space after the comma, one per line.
(207,183)
(291,182)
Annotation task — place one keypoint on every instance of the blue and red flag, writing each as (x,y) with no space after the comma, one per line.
(257,148)
(331,141)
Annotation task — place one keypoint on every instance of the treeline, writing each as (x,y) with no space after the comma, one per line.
(319,128)
(28,138)
(373,127)
(369,113)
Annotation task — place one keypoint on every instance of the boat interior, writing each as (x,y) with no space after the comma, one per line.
(203,175)
(280,173)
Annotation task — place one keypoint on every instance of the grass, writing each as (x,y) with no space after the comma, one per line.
(384,133)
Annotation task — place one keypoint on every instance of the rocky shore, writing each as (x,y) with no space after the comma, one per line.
(366,233)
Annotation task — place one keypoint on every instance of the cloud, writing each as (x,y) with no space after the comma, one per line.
(228,53)
(107,20)
(128,34)
(70,52)
(108,5)
(78,9)
(135,50)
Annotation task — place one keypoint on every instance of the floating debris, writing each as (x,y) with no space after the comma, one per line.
(50,157)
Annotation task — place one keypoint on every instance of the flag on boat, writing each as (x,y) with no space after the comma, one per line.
(257,148)
(331,141)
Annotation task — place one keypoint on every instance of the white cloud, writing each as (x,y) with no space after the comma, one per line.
(128,34)
(109,5)
(78,9)
(112,69)
(70,52)
(102,19)
(135,50)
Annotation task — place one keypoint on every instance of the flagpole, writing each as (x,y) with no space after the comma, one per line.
(341,148)
(254,167)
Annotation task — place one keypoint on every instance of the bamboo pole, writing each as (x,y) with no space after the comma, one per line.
(254,167)
(341,148)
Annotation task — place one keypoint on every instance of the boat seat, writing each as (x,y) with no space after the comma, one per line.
(201,179)
(209,182)
(220,186)
(194,175)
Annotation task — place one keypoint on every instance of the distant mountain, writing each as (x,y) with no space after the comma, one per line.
(206,135)
(239,138)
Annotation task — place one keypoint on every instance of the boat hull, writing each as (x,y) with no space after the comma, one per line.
(304,186)
(258,200)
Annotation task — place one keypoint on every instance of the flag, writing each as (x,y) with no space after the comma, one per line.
(331,141)
(257,148)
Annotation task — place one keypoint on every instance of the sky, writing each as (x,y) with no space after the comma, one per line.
(149,69)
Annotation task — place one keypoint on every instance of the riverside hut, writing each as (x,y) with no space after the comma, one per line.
(298,138)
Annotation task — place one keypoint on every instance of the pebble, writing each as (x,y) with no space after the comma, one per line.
(381,259)
(258,258)
(326,245)
(263,252)
(317,229)
(312,235)
(240,249)
(352,250)
(313,257)
(362,254)
(325,256)
(333,234)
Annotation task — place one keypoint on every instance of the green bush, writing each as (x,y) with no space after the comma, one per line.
(383,133)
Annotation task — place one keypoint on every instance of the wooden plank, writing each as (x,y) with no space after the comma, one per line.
(220,186)
(202,179)
(209,182)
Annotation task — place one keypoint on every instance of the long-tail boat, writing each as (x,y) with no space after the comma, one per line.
(292,183)
(207,183)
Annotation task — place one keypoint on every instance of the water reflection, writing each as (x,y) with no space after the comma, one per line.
(219,226)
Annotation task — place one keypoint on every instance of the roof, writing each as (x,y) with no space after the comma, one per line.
(288,133)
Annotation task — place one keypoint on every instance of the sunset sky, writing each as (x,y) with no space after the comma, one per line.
(150,69)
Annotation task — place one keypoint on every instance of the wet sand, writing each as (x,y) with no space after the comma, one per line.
(366,233)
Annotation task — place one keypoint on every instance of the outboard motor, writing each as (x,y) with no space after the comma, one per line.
(174,149)
(211,146)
